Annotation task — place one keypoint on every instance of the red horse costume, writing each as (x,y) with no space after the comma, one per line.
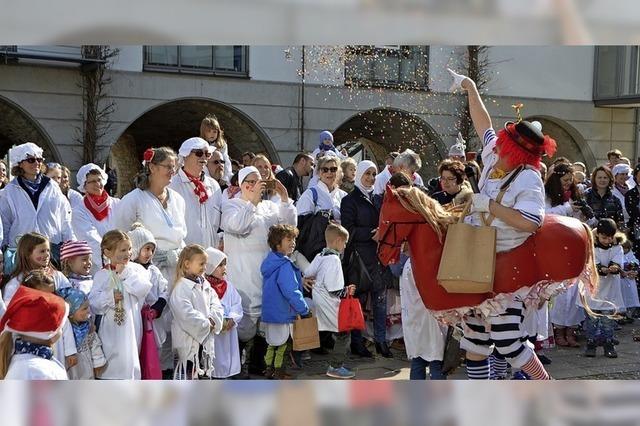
(536,255)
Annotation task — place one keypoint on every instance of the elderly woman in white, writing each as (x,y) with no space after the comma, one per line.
(328,195)
(201,193)
(246,221)
(31,202)
(94,216)
(158,208)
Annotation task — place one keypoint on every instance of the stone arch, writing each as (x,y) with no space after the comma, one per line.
(571,144)
(172,122)
(375,132)
(17,126)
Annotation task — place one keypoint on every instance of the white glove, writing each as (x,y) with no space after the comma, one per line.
(480,203)
(457,80)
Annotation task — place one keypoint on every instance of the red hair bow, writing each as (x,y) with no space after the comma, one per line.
(148,155)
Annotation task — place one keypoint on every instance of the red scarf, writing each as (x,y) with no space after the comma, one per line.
(98,205)
(220,286)
(200,190)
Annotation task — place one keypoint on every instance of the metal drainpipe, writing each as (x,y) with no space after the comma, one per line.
(636,129)
(302,90)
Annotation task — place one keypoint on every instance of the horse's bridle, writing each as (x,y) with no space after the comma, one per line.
(392,226)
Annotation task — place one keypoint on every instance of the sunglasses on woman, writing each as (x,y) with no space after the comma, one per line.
(329,169)
(32,160)
(199,153)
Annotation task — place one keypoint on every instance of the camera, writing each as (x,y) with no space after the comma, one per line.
(269,185)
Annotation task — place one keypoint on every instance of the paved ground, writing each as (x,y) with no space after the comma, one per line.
(568,363)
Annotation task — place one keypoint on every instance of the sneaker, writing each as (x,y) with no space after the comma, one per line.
(520,375)
(340,373)
(610,351)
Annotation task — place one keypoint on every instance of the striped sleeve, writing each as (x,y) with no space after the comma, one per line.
(531,217)
(529,200)
(489,136)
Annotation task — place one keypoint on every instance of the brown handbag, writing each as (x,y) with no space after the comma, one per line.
(468,257)
(305,334)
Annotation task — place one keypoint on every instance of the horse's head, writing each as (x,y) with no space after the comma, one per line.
(396,223)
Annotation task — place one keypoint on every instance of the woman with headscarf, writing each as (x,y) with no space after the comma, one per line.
(246,221)
(360,216)
(93,217)
(32,203)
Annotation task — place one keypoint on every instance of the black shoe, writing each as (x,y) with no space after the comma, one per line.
(361,352)
(590,352)
(615,342)
(167,374)
(609,350)
(545,360)
(320,351)
(383,349)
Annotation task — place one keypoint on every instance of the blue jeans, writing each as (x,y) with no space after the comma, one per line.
(599,329)
(419,370)
(379,307)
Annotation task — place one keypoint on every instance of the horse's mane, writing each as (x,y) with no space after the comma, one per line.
(416,201)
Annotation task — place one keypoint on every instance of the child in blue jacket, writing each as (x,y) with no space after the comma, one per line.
(282,297)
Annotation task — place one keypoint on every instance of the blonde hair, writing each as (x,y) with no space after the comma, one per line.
(187,254)
(211,122)
(6,352)
(111,240)
(346,163)
(335,230)
(416,201)
(26,245)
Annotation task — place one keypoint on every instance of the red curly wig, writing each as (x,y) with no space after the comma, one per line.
(525,152)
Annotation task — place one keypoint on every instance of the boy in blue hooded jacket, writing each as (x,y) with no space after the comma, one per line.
(282,297)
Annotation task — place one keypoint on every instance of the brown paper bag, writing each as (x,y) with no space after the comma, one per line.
(305,334)
(468,258)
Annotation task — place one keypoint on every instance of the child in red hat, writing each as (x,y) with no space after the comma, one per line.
(35,319)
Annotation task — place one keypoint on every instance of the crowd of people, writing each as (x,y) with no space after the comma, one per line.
(201,270)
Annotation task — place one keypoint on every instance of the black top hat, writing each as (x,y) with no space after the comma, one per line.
(525,134)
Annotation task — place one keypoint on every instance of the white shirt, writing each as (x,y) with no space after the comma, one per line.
(424,336)
(88,228)
(246,228)
(326,200)
(525,194)
(192,305)
(383,178)
(609,289)
(226,362)
(616,193)
(52,218)
(121,343)
(327,271)
(202,219)
(168,225)
(33,367)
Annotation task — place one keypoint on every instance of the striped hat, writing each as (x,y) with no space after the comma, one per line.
(74,248)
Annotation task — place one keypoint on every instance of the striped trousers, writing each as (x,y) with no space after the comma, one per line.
(504,332)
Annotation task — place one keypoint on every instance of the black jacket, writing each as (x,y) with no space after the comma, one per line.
(605,207)
(292,182)
(631,201)
(360,216)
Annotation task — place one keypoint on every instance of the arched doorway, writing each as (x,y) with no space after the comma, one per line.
(171,123)
(373,133)
(570,142)
(17,127)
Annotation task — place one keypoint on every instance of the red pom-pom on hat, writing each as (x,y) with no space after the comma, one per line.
(34,313)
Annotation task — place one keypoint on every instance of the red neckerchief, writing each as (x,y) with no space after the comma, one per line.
(566,196)
(220,286)
(98,205)
(200,190)
(110,267)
